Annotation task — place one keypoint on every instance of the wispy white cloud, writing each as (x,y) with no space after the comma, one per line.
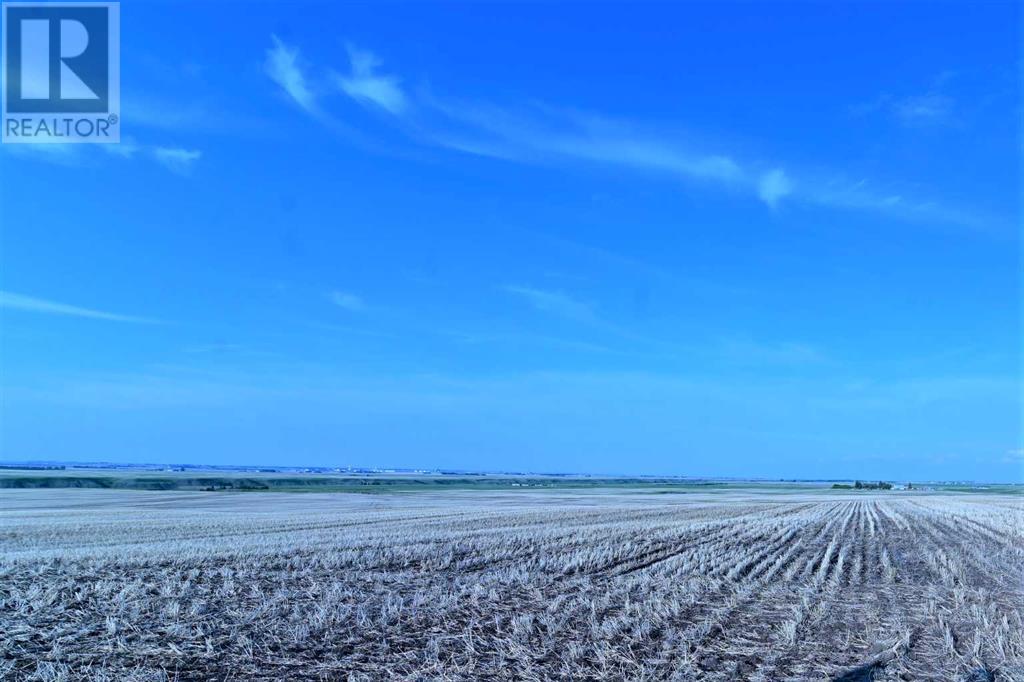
(14,301)
(540,340)
(933,107)
(199,114)
(177,159)
(348,301)
(545,134)
(283,67)
(555,303)
(164,115)
(929,108)
(1014,456)
(542,134)
(365,85)
(567,307)
(773,186)
(492,132)
(746,351)
(215,348)
(548,137)
(865,196)
(60,154)
(127,148)
(923,391)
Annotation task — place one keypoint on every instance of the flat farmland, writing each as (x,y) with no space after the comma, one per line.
(719,585)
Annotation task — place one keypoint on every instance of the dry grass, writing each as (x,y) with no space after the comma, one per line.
(132,586)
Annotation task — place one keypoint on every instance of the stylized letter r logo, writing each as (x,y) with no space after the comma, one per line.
(57,57)
(35,59)
(60,71)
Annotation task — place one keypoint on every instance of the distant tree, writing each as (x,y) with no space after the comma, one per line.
(910,486)
(858,485)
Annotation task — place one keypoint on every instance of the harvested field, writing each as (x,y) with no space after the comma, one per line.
(125,585)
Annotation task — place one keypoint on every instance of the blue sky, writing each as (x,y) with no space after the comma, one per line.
(745,240)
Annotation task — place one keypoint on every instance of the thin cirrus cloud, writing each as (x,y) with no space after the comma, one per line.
(774,186)
(177,159)
(931,108)
(58,154)
(348,301)
(542,134)
(165,115)
(1015,456)
(285,67)
(554,302)
(928,109)
(748,351)
(561,305)
(12,301)
(548,136)
(736,351)
(210,114)
(495,132)
(365,85)
(282,66)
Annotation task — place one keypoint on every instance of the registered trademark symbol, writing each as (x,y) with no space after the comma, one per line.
(112,119)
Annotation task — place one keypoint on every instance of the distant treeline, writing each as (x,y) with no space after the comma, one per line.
(30,467)
(880,485)
(125,482)
(325,483)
